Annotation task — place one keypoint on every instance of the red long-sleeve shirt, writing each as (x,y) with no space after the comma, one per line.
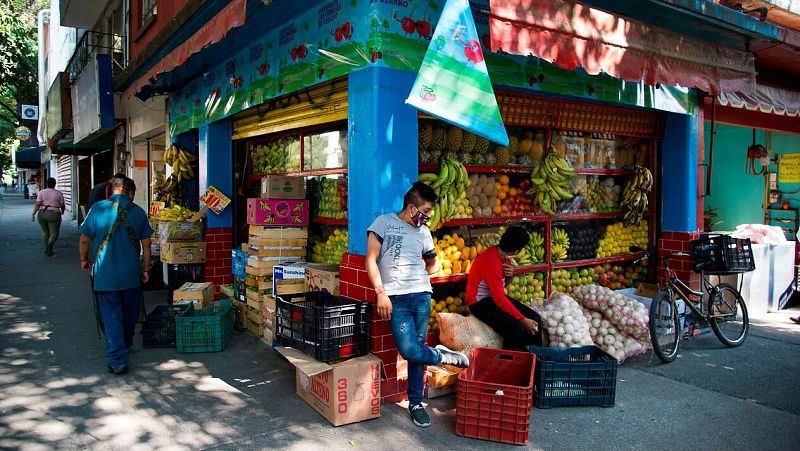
(486,275)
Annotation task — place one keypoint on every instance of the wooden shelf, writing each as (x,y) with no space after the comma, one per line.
(597,261)
(527,269)
(331,221)
(460,277)
(312,173)
(493,220)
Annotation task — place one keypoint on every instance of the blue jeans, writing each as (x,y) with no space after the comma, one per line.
(119,311)
(410,313)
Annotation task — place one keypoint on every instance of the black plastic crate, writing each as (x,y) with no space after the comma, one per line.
(240,289)
(324,326)
(158,329)
(582,376)
(722,254)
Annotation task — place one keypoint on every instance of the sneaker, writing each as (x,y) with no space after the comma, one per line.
(117,370)
(418,415)
(453,358)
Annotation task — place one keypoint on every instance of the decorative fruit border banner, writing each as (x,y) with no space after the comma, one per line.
(341,36)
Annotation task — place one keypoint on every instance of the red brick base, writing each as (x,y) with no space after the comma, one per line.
(678,242)
(354,284)
(219,265)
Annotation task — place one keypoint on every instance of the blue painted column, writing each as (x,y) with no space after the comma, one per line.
(382,148)
(215,163)
(679,174)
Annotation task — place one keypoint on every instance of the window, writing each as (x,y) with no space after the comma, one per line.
(149,11)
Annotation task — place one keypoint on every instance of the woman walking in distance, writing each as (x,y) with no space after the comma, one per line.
(50,205)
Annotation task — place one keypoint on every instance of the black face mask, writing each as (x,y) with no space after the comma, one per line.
(419,218)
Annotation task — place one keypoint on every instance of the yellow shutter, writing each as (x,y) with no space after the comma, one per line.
(314,105)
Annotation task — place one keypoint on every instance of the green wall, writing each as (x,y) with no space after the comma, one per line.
(739,196)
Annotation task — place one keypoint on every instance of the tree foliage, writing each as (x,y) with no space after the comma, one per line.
(18,68)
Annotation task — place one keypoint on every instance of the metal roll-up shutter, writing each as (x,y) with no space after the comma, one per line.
(314,105)
(64,177)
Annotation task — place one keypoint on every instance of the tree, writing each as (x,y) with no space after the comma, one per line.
(18,68)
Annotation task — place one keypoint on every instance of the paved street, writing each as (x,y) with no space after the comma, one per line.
(55,394)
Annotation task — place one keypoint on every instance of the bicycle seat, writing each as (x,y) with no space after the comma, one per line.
(674,254)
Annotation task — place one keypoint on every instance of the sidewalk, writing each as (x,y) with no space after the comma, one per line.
(55,394)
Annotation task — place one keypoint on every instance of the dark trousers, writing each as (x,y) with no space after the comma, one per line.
(515,336)
(119,311)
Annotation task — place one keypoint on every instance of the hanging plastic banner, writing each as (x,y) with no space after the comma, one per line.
(453,82)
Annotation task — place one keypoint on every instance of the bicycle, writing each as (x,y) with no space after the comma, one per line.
(727,313)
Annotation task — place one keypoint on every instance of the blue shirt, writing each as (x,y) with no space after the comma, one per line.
(119,266)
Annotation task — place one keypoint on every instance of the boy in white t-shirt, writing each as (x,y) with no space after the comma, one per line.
(400,258)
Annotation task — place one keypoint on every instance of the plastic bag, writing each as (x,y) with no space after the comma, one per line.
(760,233)
(564,321)
(628,315)
(462,333)
(610,339)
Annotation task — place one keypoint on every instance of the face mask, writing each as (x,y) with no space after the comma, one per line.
(419,218)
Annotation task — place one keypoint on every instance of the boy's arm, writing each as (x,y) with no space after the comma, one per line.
(384,304)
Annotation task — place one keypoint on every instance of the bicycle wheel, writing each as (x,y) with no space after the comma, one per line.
(727,315)
(665,327)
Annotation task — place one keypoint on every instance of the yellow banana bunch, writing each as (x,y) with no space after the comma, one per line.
(181,162)
(176,213)
(634,196)
(551,181)
(558,253)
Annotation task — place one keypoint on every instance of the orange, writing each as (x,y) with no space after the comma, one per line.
(501,195)
(512,191)
(497,209)
(504,179)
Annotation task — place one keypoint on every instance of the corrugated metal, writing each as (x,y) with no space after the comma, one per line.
(64,178)
(310,106)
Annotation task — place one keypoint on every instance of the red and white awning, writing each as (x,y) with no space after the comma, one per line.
(570,35)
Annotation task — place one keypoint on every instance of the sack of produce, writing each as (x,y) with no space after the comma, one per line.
(462,333)
(610,339)
(564,321)
(628,315)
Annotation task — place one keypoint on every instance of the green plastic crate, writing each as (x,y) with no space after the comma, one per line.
(205,330)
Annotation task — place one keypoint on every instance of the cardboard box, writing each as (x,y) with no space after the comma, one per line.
(179,231)
(277,212)
(282,187)
(438,377)
(259,233)
(274,251)
(323,278)
(343,393)
(199,293)
(647,290)
(183,252)
(289,278)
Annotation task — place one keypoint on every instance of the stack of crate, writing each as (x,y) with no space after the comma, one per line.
(266,248)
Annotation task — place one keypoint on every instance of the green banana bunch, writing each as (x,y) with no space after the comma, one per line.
(449,184)
(535,247)
(550,182)
(634,196)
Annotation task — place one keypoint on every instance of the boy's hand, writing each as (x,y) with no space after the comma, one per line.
(508,270)
(530,325)
(384,306)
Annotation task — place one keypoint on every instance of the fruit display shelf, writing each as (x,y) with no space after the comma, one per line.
(580,216)
(461,277)
(309,173)
(519,169)
(494,220)
(605,171)
(597,261)
(329,221)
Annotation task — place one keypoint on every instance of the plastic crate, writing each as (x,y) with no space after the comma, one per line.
(204,330)
(582,376)
(240,289)
(158,329)
(722,254)
(494,396)
(239,261)
(324,326)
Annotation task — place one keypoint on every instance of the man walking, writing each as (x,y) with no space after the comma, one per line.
(400,258)
(50,205)
(112,236)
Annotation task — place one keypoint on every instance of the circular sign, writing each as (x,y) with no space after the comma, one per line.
(29,112)
(22,133)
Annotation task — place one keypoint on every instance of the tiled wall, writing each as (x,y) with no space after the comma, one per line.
(355,284)
(675,242)
(219,265)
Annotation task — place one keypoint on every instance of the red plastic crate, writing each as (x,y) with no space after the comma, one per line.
(495,395)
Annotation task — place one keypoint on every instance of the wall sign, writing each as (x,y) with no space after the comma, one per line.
(789,169)
(92,101)
(22,133)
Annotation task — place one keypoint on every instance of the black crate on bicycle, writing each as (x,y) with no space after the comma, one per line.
(580,376)
(324,326)
(158,329)
(722,254)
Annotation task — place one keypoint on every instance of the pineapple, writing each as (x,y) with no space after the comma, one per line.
(502,154)
(479,158)
(425,135)
(454,137)
(513,142)
(425,156)
(468,142)
(481,145)
(437,139)
(491,159)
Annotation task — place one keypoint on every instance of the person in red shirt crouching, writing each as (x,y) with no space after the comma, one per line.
(517,324)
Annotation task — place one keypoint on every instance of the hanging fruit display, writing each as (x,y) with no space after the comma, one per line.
(450,185)
(634,197)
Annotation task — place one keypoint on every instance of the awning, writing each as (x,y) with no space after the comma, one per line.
(231,16)
(765,99)
(571,35)
(30,158)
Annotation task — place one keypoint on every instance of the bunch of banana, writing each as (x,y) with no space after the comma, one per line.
(559,245)
(535,247)
(551,181)
(170,191)
(523,258)
(176,213)
(634,196)
(181,162)
(450,185)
